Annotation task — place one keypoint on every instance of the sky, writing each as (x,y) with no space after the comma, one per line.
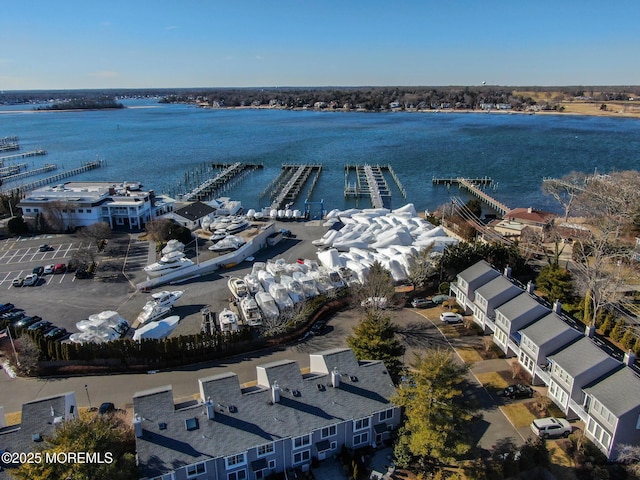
(72,44)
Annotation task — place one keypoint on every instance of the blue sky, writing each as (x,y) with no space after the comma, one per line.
(48,44)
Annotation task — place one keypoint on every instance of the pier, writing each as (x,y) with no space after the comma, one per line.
(290,181)
(466,184)
(32,153)
(222,181)
(29,173)
(370,182)
(456,181)
(27,187)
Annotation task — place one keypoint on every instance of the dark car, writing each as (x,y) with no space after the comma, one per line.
(39,271)
(13,315)
(41,326)
(518,391)
(45,248)
(106,407)
(422,303)
(319,328)
(7,307)
(56,333)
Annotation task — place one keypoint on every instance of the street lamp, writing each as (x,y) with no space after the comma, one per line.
(86,388)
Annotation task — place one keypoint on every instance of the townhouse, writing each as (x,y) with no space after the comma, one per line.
(587,378)
(283,420)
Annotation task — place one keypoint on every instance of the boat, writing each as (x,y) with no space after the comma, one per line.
(160,329)
(173,245)
(172,256)
(281,295)
(294,288)
(228,321)
(250,311)
(276,267)
(238,287)
(151,312)
(273,213)
(297,214)
(266,279)
(323,284)
(258,216)
(267,305)
(251,213)
(335,279)
(166,298)
(230,242)
(237,226)
(168,265)
(218,235)
(308,283)
(253,283)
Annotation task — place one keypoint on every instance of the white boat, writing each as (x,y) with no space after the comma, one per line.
(230,242)
(160,329)
(166,298)
(336,279)
(237,226)
(297,214)
(163,267)
(258,216)
(172,246)
(218,235)
(294,288)
(308,283)
(250,311)
(238,287)
(172,256)
(100,327)
(151,312)
(273,213)
(228,321)
(288,214)
(253,283)
(267,305)
(281,213)
(323,284)
(281,295)
(276,267)
(266,279)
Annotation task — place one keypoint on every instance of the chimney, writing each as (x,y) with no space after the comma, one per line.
(507,271)
(137,425)
(590,331)
(275,392)
(629,358)
(210,411)
(557,307)
(530,287)
(530,210)
(335,377)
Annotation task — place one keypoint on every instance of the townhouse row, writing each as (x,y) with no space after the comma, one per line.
(586,377)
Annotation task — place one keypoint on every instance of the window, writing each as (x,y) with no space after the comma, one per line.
(233,460)
(500,337)
(559,373)
(28,210)
(502,320)
(88,210)
(328,431)
(194,470)
(333,446)
(272,464)
(237,475)
(265,449)
(526,361)
(300,457)
(360,438)
(302,441)
(386,415)
(361,424)
(602,412)
(80,210)
(36,210)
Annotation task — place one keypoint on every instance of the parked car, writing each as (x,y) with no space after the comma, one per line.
(31,279)
(45,248)
(55,334)
(551,427)
(6,307)
(59,268)
(13,315)
(106,407)
(439,299)
(518,391)
(17,282)
(38,271)
(450,317)
(422,303)
(48,269)
(26,321)
(41,326)
(319,328)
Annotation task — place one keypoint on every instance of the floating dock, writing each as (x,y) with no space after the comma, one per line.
(289,183)
(224,180)
(370,182)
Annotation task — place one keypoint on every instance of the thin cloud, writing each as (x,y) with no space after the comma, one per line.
(104,74)
(260,58)
(172,27)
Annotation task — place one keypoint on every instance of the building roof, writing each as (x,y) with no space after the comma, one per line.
(530,216)
(247,418)
(195,211)
(481,269)
(520,305)
(618,392)
(581,356)
(498,286)
(548,328)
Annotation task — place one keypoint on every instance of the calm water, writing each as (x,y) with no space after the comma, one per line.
(159,145)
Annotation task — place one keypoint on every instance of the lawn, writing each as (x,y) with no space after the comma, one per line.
(469,355)
(518,414)
(492,380)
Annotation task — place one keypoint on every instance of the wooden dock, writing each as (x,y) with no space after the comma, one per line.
(32,153)
(48,167)
(370,182)
(290,182)
(27,187)
(222,181)
(455,181)
(12,169)
(466,184)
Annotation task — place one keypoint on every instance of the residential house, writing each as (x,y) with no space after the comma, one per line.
(574,367)
(613,411)
(39,420)
(467,281)
(191,215)
(517,220)
(513,316)
(490,296)
(541,338)
(283,421)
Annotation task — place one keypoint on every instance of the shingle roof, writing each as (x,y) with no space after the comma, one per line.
(254,420)
(496,287)
(479,270)
(549,327)
(521,305)
(194,211)
(618,392)
(582,356)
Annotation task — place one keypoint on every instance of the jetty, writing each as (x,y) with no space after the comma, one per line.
(290,182)
(32,153)
(224,180)
(370,182)
(27,187)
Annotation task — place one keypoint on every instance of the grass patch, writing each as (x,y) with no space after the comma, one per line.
(562,466)
(13,418)
(518,414)
(468,355)
(492,380)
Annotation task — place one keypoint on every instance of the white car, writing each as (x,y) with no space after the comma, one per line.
(551,427)
(31,279)
(450,317)
(48,269)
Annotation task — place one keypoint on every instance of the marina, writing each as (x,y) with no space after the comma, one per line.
(224,180)
(17,156)
(288,185)
(370,182)
(27,187)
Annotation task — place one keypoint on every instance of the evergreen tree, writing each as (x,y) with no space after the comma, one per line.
(555,283)
(437,414)
(374,339)
(618,330)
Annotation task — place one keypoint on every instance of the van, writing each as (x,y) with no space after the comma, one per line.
(59,268)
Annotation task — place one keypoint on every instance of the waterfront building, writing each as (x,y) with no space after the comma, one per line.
(79,204)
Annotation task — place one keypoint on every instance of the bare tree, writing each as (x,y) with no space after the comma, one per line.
(54,215)
(158,230)
(629,455)
(422,266)
(565,189)
(377,291)
(96,232)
